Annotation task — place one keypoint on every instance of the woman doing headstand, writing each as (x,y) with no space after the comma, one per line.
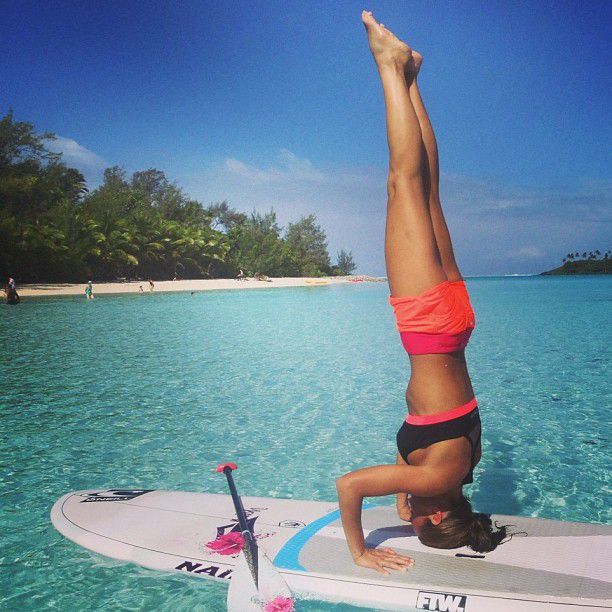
(439,443)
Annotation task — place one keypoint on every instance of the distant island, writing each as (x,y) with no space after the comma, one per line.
(584,263)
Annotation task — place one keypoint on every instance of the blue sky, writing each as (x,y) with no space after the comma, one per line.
(277,104)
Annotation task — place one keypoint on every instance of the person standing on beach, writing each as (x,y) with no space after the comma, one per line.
(439,442)
(151,284)
(89,295)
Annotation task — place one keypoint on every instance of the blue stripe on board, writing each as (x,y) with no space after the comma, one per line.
(288,556)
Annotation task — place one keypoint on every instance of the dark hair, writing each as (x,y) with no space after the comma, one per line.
(463,527)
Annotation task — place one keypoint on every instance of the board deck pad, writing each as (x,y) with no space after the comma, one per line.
(546,566)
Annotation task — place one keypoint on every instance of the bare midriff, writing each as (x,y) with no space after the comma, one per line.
(438,382)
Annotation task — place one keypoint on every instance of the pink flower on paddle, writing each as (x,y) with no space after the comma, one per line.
(227,544)
(280,604)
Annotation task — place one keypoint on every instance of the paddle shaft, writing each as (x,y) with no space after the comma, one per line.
(249,537)
(240,513)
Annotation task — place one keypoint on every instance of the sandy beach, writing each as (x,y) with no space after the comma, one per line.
(51,289)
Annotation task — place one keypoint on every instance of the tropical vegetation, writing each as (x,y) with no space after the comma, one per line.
(592,262)
(54,229)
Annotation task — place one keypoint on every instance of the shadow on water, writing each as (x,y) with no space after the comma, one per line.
(497,482)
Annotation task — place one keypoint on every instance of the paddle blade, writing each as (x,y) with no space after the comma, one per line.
(273,594)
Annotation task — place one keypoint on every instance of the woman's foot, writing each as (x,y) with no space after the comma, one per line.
(417,62)
(387,49)
(413,66)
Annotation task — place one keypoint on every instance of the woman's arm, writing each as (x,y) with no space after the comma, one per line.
(377,481)
(403,507)
(404,510)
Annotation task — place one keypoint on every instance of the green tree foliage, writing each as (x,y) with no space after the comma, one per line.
(345,264)
(257,247)
(32,179)
(223,217)
(308,243)
(53,229)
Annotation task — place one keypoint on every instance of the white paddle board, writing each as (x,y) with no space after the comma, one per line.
(554,566)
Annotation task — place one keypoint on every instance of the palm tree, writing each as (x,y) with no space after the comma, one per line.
(84,240)
(194,248)
(41,245)
(148,232)
(117,248)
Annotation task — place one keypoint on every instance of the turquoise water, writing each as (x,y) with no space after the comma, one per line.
(296,385)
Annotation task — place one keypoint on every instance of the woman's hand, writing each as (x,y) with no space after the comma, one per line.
(382,558)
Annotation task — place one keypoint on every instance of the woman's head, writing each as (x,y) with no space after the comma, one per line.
(457,526)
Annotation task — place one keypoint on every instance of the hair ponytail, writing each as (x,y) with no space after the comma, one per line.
(463,527)
(482,538)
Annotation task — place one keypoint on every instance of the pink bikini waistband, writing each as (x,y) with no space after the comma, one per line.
(417,343)
(441,417)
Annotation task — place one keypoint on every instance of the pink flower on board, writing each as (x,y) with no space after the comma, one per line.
(227,544)
(280,604)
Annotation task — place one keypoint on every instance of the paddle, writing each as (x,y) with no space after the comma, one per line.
(256,584)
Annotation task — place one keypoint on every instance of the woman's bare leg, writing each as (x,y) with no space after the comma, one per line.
(443,239)
(411,252)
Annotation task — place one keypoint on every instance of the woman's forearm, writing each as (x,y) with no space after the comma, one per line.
(350,502)
(402,500)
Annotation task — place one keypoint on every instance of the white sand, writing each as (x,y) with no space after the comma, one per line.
(184,285)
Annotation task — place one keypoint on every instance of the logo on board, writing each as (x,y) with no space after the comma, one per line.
(292,524)
(252,515)
(441,602)
(193,567)
(113,495)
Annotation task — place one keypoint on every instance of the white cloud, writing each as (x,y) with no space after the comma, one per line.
(290,169)
(527,251)
(584,200)
(507,228)
(77,156)
(74,154)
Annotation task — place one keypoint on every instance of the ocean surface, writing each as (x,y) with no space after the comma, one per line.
(297,386)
